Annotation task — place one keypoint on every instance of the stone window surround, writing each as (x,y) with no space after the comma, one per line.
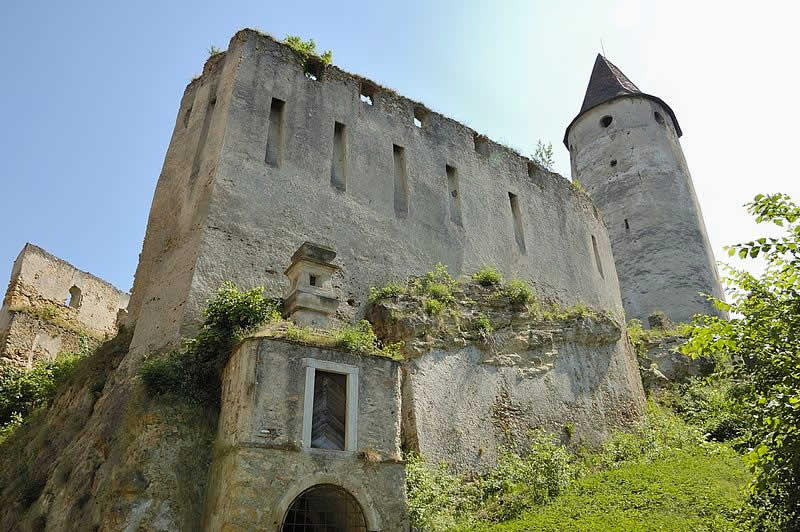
(351,416)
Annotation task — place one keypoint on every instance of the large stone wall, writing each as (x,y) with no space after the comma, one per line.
(242,217)
(462,409)
(636,174)
(179,210)
(486,372)
(260,465)
(50,305)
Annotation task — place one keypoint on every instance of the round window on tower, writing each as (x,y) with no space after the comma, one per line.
(606,121)
(659,118)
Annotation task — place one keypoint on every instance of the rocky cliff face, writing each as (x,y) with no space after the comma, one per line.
(106,457)
(488,369)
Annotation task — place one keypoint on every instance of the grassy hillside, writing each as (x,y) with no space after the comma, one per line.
(663,474)
(693,490)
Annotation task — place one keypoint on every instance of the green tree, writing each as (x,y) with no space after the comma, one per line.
(760,346)
(544,154)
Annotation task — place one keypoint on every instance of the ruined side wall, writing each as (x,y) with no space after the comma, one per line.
(636,174)
(260,466)
(29,338)
(37,320)
(461,407)
(260,212)
(177,215)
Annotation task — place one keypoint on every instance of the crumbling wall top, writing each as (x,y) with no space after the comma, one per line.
(41,281)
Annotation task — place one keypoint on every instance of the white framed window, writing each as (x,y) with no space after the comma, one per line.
(330,406)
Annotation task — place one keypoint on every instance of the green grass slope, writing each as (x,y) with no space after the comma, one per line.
(692,490)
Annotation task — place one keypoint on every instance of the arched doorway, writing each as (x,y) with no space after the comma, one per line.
(324,508)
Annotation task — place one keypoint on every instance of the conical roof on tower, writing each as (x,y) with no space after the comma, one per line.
(608,83)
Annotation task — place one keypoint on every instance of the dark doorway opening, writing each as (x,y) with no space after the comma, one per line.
(324,508)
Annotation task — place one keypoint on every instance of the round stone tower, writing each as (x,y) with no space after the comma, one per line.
(625,151)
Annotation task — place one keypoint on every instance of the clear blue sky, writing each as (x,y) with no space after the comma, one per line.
(92,89)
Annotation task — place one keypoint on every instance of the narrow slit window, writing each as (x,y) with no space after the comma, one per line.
(312,280)
(519,235)
(275,133)
(339,164)
(329,417)
(627,225)
(453,195)
(400,180)
(186,116)
(597,257)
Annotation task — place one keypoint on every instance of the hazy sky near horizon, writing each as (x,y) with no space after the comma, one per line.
(92,91)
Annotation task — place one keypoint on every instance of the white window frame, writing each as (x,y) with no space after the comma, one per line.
(351,416)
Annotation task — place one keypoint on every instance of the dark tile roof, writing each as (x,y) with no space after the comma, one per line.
(608,83)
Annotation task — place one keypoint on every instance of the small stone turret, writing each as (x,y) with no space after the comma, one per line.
(624,149)
(310,299)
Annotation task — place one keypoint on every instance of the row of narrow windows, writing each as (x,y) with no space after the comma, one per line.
(275,135)
(338,176)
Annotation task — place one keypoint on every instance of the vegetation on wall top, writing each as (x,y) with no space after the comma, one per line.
(307,50)
(194,371)
(544,154)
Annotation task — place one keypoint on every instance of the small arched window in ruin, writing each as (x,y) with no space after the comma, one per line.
(658,117)
(606,121)
(75,297)
(324,507)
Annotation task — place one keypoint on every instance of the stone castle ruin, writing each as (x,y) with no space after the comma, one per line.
(320,184)
(51,307)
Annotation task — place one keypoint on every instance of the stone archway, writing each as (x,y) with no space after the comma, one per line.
(323,508)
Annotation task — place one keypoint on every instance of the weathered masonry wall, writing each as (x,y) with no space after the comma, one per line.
(50,305)
(297,159)
(461,409)
(261,465)
(636,174)
(179,209)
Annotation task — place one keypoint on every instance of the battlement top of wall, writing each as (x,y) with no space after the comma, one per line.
(392,99)
(32,249)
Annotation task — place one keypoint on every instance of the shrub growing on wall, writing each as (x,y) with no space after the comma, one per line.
(194,371)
